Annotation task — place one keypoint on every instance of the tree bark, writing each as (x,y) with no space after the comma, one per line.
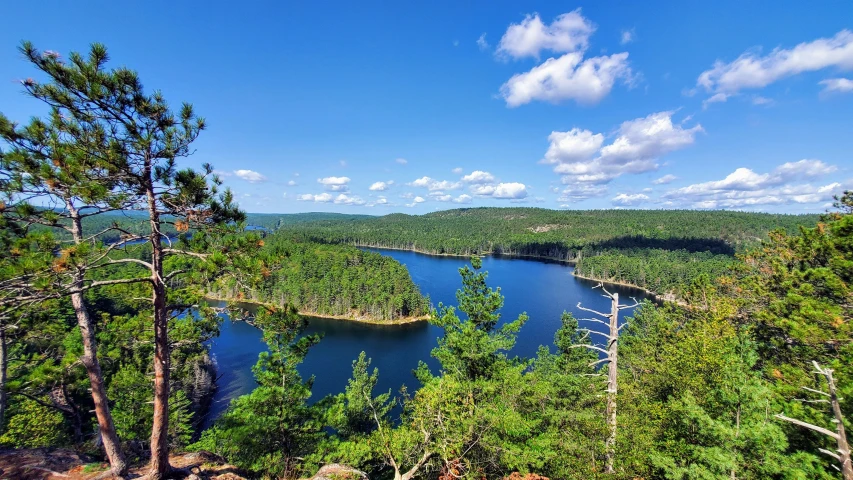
(160,467)
(3,364)
(843,446)
(112,445)
(612,386)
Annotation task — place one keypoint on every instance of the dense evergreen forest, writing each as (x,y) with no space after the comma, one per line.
(659,250)
(330,280)
(102,345)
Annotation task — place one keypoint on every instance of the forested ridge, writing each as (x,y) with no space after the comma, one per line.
(330,280)
(659,250)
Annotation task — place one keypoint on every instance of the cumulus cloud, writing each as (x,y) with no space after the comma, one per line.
(416,201)
(576,145)
(291,183)
(568,77)
(462,199)
(344,199)
(746,188)
(665,179)
(335,184)
(432,184)
(751,70)
(629,200)
(482,44)
(836,85)
(381,186)
(627,37)
(567,33)
(478,177)
(579,156)
(321,198)
(458,170)
(512,190)
(250,176)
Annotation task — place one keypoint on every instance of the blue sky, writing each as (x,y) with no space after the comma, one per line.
(395,106)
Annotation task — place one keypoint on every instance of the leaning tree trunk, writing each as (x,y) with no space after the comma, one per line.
(160,467)
(843,446)
(89,359)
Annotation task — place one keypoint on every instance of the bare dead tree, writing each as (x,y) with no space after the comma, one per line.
(843,455)
(611,352)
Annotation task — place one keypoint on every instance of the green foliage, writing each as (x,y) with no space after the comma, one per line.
(330,280)
(33,425)
(272,429)
(658,250)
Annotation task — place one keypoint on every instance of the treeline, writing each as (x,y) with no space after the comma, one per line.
(706,389)
(330,280)
(645,248)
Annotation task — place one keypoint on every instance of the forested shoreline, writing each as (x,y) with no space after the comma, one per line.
(335,281)
(657,250)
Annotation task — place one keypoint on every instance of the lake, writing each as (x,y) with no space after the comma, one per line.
(542,289)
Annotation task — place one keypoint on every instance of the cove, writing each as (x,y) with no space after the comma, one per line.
(543,289)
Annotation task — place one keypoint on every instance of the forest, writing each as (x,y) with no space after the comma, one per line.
(330,280)
(658,250)
(103,344)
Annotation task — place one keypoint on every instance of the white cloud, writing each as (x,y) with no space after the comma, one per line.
(458,170)
(462,199)
(250,176)
(629,200)
(665,179)
(580,158)
(753,71)
(746,188)
(344,199)
(478,177)
(576,145)
(568,32)
(343,163)
(513,190)
(510,190)
(482,44)
(321,198)
(416,201)
(759,100)
(433,184)
(579,192)
(381,186)
(568,77)
(335,184)
(716,98)
(836,85)
(291,183)
(627,37)
(401,161)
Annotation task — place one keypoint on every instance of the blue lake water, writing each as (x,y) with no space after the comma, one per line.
(541,289)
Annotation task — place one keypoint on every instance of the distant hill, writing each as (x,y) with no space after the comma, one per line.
(660,250)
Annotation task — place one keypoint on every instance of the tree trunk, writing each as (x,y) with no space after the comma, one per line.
(89,359)
(3,365)
(160,467)
(843,446)
(612,386)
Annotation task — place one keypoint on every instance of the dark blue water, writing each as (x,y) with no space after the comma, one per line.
(542,290)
